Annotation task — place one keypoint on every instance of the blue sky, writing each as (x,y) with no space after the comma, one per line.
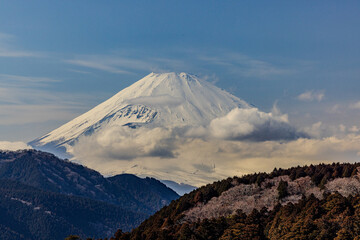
(60,58)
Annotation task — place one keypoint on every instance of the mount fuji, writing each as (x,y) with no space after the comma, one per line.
(174,127)
(157,100)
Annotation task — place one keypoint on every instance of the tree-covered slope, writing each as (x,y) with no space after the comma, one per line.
(311,202)
(46,171)
(147,191)
(30,213)
(44,197)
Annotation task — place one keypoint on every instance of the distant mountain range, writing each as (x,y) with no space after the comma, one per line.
(42,196)
(311,202)
(179,188)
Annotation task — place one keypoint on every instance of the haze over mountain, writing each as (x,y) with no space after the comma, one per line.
(147,128)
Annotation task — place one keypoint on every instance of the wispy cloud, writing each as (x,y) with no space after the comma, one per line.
(79,71)
(7,48)
(5,52)
(24,81)
(335,109)
(19,114)
(236,63)
(25,99)
(17,89)
(245,65)
(29,104)
(115,63)
(311,95)
(108,66)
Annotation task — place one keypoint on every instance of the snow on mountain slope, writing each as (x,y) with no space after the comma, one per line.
(173,127)
(165,100)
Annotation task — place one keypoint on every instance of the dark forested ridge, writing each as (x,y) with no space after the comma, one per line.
(312,202)
(30,213)
(44,197)
(147,191)
(47,172)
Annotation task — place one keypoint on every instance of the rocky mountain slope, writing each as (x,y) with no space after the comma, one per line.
(311,202)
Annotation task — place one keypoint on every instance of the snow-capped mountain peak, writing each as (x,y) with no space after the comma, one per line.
(158,99)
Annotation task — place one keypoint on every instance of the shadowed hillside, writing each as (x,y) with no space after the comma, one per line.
(44,197)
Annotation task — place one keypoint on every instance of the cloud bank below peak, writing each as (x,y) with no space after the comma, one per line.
(240,124)
(193,155)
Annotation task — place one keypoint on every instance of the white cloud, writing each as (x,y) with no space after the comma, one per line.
(13,146)
(244,141)
(198,161)
(354,129)
(311,96)
(124,143)
(198,155)
(355,105)
(320,130)
(252,124)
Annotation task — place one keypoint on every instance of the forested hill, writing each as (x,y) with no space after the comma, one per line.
(28,213)
(311,202)
(47,172)
(44,197)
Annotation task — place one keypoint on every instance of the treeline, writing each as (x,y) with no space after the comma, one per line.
(311,217)
(334,217)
